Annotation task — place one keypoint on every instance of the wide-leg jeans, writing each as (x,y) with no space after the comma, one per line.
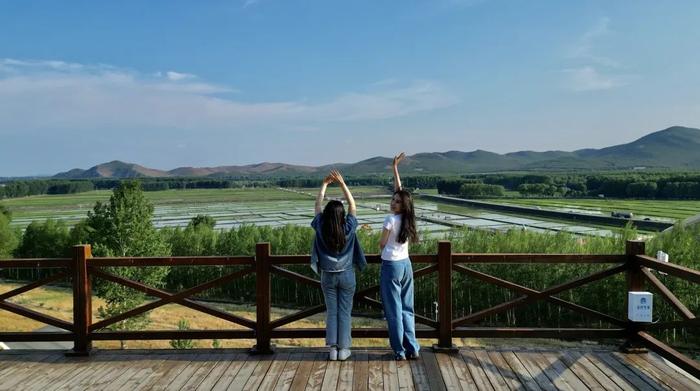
(396,287)
(338,290)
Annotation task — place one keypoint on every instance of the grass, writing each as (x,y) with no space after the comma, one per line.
(665,209)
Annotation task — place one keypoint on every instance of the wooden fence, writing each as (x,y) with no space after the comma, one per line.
(82,268)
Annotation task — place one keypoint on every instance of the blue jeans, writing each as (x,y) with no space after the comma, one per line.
(338,290)
(396,287)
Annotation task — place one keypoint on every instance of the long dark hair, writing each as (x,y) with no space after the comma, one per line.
(408,218)
(333,226)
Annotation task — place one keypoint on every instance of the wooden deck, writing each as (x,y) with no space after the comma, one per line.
(373,369)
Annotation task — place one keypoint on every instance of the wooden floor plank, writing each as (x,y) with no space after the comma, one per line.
(14,365)
(375,371)
(22,370)
(209,361)
(258,375)
(563,371)
(242,376)
(289,371)
(300,369)
(658,362)
(160,370)
(420,376)
(96,368)
(360,381)
(481,381)
(605,371)
(492,372)
(389,372)
(330,380)
(589,375)
(629,373)
(464,376)
(346,375)
(533,371)
(447,370)
(433,371)
(403,370)
(301,376)
(226,368)
(318,372)
(60,372)
(651,370)
(274,372)
(510,376)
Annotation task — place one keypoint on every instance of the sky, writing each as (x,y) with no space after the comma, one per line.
(167,84)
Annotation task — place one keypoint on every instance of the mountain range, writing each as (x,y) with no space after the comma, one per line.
(675,148)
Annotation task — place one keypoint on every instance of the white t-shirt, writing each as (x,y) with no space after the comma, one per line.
(394,251)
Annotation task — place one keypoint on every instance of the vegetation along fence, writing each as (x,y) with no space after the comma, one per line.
(82,269)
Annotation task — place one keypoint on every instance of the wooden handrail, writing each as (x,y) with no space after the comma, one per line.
(82,267)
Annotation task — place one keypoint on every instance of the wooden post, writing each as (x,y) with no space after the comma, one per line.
(82,301)
(635,282)
(262,299)
(444,297)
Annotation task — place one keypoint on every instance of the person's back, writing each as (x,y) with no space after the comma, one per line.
(335,252)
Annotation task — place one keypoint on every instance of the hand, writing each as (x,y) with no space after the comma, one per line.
(398,158)
(328,180)
(335,174)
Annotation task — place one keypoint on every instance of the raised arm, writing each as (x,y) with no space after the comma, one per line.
(321,194)
(397,179)
(352,208)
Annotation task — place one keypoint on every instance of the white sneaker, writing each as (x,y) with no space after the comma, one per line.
(343,354)
(333,353)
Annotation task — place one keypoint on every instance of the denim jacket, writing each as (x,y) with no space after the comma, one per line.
(330,261)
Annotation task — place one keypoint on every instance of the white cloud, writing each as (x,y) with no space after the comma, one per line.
(589,79)
(593,71)
(175,76)
(53,95)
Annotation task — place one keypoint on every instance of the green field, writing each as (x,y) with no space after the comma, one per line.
(68,205)
(667,210)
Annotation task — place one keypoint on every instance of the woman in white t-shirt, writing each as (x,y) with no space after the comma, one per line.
(396,276)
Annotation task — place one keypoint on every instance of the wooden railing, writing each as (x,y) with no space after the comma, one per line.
(82,268)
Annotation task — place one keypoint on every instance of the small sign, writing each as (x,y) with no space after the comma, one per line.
(639,306)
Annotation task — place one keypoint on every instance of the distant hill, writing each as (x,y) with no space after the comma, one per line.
(673,148)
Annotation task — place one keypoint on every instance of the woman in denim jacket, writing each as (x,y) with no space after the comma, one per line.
(335,251)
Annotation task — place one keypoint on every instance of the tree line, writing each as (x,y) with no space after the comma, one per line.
(618,185)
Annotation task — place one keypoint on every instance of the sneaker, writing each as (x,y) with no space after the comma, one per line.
(413,356)
(399,357)
(343,354)
(333,353)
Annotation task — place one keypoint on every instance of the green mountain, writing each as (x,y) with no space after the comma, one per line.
(673,148)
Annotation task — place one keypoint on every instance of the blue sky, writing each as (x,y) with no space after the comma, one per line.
(204,83)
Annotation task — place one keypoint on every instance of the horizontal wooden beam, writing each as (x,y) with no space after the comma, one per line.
(31,336)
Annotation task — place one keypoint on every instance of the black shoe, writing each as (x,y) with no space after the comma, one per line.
(413,356)
(399,357)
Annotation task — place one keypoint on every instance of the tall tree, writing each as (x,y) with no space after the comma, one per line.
(123,227)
